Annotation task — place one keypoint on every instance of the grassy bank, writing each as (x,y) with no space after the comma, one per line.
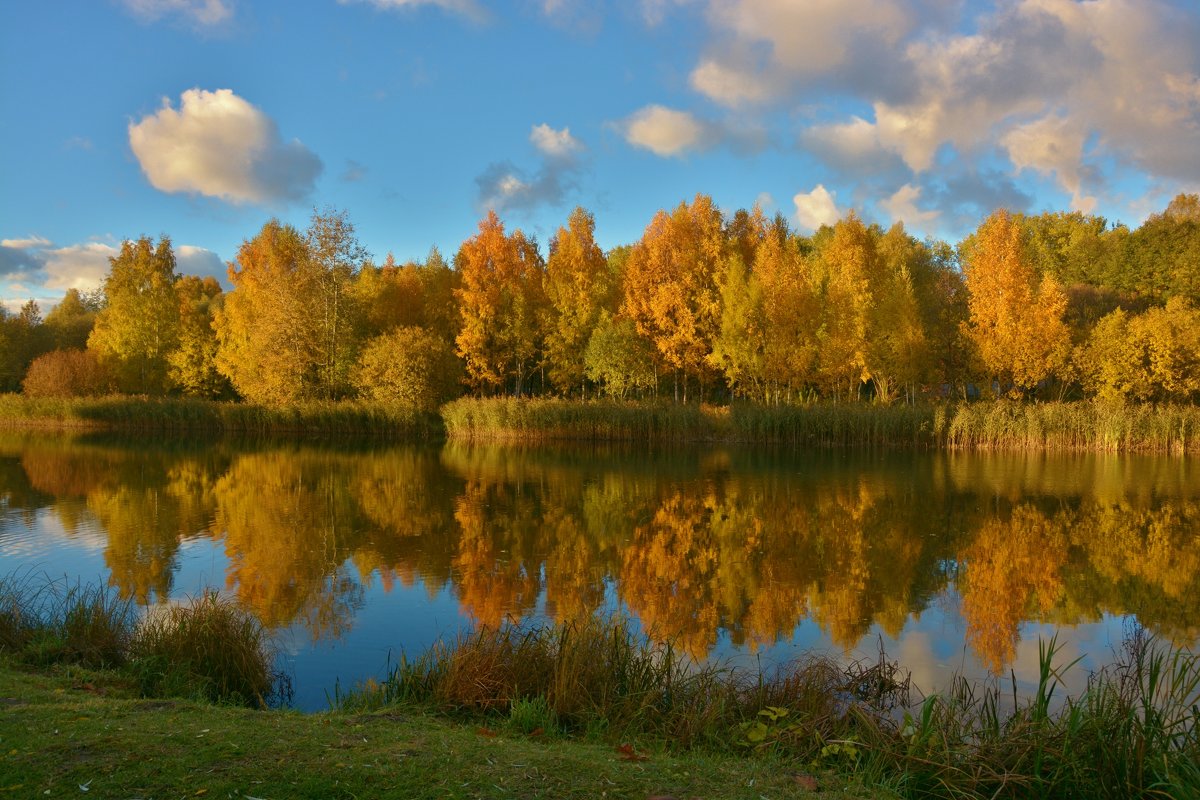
(1132,733)
(64,729)
(985,425)
(178,415)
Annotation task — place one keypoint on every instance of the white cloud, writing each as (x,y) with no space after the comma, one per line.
(78,266)
(218,144)
(556,144)
(1052,145)
(25,244)
(201,262)
(728,84)
(664,131)
(816,208)
(203,13)
(467,8)
(902,207)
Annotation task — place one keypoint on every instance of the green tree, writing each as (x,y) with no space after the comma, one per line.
(139,324)
(70,322)
(578,287)
(618,358)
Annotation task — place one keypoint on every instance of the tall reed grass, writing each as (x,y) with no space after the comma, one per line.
(1131,733)
(182,415)
(206,648)
(984,425)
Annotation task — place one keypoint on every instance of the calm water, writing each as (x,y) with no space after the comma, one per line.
(952,562)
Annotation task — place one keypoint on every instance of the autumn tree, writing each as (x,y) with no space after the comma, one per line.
(333,260)
(139,325)
(269,340)
(670,289)
(70,322)
(409,366)
(791,313)
(1016,316)
(22,339)
(898,352)
(192,365)
(500,300)
(578,285)
(850,274)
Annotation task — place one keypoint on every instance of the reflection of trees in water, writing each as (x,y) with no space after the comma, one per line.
(695,545)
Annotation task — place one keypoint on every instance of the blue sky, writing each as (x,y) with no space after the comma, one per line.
(201,119)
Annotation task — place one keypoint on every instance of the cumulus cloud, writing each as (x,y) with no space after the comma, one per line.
(902,207)
(816,208)
(556,144)
(203,263)
(665,131)
(1074,91)
(202,13)
(47,269)
(503,186)
(78,266)
(218,144)
(467,8)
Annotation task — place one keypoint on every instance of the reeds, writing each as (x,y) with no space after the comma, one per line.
(206,648)
(1131,733)
(183,415)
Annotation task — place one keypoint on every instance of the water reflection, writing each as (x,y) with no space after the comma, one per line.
(700,546)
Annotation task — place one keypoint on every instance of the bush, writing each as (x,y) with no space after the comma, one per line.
(409,366)
(66,373)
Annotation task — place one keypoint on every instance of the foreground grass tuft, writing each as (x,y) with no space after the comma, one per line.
(209,648)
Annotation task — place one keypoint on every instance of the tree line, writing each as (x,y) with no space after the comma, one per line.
(703,306)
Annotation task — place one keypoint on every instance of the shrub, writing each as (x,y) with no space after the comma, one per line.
(409,366)
(65,373)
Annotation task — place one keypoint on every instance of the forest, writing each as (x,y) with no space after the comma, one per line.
(704,307)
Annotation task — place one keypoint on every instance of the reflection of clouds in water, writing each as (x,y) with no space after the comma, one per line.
(47,536)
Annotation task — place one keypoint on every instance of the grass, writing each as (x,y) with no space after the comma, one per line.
(208,648)
(180,415)
(79,728)
(1132,733)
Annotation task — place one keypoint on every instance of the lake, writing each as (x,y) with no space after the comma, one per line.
(350,553)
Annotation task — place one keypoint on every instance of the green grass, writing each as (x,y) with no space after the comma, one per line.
(66,728)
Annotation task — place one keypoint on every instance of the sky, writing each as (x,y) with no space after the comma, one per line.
(203,119)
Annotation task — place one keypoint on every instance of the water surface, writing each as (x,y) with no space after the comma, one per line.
(350,553)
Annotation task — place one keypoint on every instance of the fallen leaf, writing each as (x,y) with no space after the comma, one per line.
(537,732)
(200,792)
(629,754)
(488,732)
(806,781)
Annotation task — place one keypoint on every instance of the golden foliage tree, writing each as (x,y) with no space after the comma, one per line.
(409,366)
(578,285)
(268,340)
(670,290)
(500,299)
(139,325)
(1016,316)
(192,365)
